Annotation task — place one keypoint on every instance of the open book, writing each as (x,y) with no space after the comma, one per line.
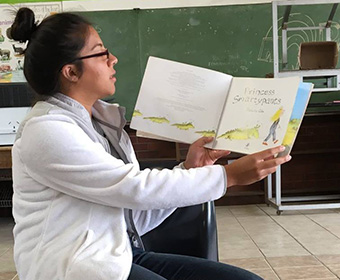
(180,102)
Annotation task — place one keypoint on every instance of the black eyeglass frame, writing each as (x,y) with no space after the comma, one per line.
(106,52)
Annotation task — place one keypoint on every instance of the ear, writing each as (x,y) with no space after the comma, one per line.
(70,73)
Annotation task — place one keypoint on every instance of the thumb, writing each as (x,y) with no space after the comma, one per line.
(220,153)
(204,140)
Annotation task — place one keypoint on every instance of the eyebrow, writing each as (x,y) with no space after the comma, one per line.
(96,45)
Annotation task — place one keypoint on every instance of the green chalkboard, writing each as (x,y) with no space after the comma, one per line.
(232,39)
(226,39)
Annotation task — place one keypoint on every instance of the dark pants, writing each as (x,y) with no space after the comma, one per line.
(157,266)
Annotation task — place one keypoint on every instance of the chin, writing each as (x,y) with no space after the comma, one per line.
(111,92)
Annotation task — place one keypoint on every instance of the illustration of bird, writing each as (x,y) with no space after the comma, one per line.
(241,134)
(207,133)
(157,119)
(184,126)
(137,113)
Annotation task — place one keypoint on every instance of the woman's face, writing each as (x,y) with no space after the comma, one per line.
(97,79)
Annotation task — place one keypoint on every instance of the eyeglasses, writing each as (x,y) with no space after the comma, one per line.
(106,52)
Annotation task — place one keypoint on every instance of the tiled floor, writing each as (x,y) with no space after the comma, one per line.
(294,245)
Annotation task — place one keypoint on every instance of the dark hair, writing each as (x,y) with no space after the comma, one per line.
(56,41)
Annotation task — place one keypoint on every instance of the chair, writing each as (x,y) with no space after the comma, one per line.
(188,231)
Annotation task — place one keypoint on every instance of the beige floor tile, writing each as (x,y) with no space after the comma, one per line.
(246,211)
(304,272)
(284,251)
(255,219)
(6,235)
(248,263)
(227,223)
(323,248)
(222,211)
(240,244)
(267,274)
(276,262)
(235,237)
(7,275)
(16,277)
(271,211)
(317,278)
(335,269)
(331,222)
(4,247)
(231,233)
(329,259)
(316,211)
(311,235)
(238,251)
(7,262)
(271,238)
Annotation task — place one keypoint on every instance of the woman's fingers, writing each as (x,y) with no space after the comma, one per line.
(254,167)
(272,152)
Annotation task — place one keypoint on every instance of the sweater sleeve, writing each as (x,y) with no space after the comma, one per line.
(145,221)
(58,154)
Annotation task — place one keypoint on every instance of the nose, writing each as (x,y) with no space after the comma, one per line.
(113,60)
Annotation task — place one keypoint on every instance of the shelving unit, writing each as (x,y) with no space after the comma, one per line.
(332,82)
(6,191)
(331,76)
(301,202)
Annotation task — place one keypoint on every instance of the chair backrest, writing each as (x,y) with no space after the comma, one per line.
(188,231)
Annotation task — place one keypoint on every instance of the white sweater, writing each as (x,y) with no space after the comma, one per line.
(70,194)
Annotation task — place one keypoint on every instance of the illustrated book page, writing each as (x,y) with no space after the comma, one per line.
(256,114)
(299,109)
(178,101)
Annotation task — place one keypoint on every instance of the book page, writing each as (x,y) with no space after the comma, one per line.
(256,114)
(300,105)
(152,136)
(179,101)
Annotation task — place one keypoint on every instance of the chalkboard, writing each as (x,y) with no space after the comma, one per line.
(226,39)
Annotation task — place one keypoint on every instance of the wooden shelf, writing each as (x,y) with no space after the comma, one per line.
(5,157)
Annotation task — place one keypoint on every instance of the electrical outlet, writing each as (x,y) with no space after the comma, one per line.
(10,119)
(14,125)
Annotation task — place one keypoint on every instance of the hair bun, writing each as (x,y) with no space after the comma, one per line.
(23,27)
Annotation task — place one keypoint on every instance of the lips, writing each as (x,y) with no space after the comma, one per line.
(112,77)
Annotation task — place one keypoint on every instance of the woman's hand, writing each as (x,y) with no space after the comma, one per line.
(199,156)
(251,168)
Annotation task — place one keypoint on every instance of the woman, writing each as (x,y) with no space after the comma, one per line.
(80,200)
